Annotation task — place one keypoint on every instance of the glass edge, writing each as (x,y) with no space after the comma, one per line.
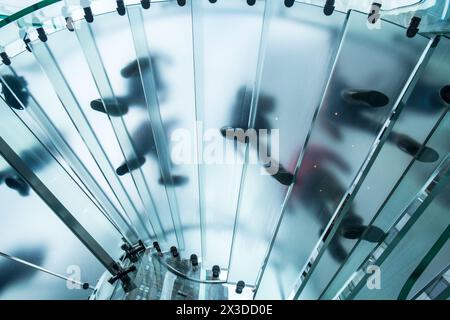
(20,14)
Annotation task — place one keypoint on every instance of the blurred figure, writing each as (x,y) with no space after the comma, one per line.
(318,189)
(425,100)
(240,116)
(15,182)
(16,95)
(144,144)
(445,94)
(142,138)
(357,108)
(34,161)
(13,87)
(135,96)
(12,272)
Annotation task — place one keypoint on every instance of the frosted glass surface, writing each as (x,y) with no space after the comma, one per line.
(287,101)
(41,92)
(423,110)
(226,54)
(33,153)
(172,71)
(169,36)
(412,248)
(342,137)
(411,183)
(43,240)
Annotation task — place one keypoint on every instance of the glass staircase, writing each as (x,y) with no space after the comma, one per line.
(118,176)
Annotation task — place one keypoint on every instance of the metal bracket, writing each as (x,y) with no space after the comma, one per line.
(122,275)
(132,252)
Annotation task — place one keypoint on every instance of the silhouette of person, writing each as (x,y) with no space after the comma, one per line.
(144,143)
(135,96)
(445,94)
(319,190)
(13,87)
(33,159)
(240,120)
(12,272)
(142,138)
(357,109)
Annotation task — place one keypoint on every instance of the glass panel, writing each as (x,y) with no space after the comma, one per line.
(37,236)
(434,16)
(41,93)
(151,80)
(72,99)
(423,111)
(26,83)
(108,103)
(359,99)
(287,101)
(389,212)
(126,88)
(32,114)
(226,57)
(33,153)
(414,245)
(436,263)
(173,73)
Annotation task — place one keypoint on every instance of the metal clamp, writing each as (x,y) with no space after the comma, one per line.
(413,28)
(132,252)
(5,58)
(121,10)
(123,275)
(328,9)
(145,4)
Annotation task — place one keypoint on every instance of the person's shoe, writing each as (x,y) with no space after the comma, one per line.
(445,94)
(369,233)
(283,176)
(371,98)
(427,155)
(114,110)
(18,184)
(176,181)
(353,232)
(128,167)
(132,69)
(374,234)
(18,96)
(412,147)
